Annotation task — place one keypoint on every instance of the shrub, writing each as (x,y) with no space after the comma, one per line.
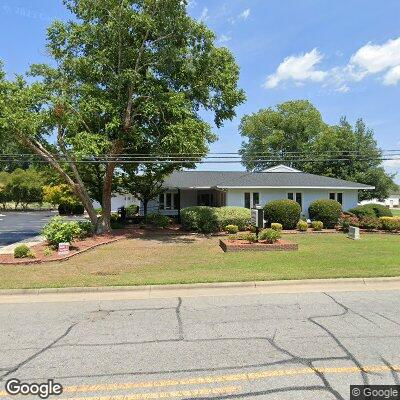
(276,227)
(200,219)
(370,223)
(209,219)
(371,210)
(86,227)
(285,212)
(302,226)
(346,220)
(23,251)
(58,230)
(238,216)
(132,210)
(232,229)
(71,209)
(47,252)
(158,220)
(317,225)
(390,224)
(326,211)
(250,237)
(269,235)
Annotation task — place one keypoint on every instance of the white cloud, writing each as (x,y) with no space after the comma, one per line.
(371,59)
(299,69)
(245,14)
(204,15)
(224,39)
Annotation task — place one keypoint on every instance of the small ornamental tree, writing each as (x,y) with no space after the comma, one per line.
(326,211)
(284,212)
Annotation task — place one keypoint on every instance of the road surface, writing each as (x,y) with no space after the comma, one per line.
(276,346)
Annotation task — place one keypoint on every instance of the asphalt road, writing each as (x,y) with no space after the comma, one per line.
(18,226)
(293,346)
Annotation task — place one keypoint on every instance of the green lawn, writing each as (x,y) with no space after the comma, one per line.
(396,211)
(188,259)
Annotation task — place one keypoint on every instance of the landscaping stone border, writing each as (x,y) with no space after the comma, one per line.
(237,246)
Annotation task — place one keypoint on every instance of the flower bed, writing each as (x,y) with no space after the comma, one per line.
(242,245)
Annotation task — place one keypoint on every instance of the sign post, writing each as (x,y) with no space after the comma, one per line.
(257,218)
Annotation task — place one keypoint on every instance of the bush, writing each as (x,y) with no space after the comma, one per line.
(390,223)
(209,219)
(71,209)
(285,212)
(276,227)
(269,235)
(371,210)
(250,237)
(370,223)
(158,220)
(302,226)
(238,216)
(23,251)
(232,229)
(317,225)
(346,220)
(87,228)
(132,210)
(58,230)
(326,211)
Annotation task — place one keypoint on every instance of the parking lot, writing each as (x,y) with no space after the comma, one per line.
(16,226)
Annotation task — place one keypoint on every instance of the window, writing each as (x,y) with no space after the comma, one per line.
(298,197)
(161,201)
(247,200)
(336,196)
(256,199)
(168,201)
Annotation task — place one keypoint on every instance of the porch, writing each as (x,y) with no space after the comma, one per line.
(172,201)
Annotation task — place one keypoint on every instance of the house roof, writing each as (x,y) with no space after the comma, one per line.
(266,179)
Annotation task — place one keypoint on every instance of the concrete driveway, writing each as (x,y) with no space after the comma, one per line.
(280,347)
(22,226)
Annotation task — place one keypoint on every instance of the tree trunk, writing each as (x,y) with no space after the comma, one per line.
(145,203)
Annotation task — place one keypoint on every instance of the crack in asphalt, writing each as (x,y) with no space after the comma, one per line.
(394,373)
(37,354)
(179,319)
(388,319)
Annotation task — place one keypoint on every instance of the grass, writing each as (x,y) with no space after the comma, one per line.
(189,259)
(395,212)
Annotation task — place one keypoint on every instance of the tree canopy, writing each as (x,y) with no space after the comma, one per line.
(295,134)
(130,77)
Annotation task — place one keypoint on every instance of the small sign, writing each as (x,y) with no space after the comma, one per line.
(354,233)
(63,249)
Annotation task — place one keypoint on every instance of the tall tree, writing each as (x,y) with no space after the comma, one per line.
(339,151)
(121,65)
(275,133)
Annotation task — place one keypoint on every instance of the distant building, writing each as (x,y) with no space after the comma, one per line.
(393,201)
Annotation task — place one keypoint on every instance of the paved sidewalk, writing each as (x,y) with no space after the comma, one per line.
(198,290)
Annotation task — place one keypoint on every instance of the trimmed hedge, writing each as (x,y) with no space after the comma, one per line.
(390,224)
(326,211)
(317,225)
(371,210)
(210,219)
(302,226)
(284,212)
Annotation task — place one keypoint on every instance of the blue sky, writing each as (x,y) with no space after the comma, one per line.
(342,55)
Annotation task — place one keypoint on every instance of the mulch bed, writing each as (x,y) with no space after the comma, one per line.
(243,245)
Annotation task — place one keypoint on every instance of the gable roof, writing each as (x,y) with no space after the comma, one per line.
(266,179)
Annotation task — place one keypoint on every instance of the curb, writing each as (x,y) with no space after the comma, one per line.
(363,282)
